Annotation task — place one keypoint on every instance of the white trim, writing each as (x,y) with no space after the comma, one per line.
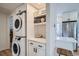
(50,30)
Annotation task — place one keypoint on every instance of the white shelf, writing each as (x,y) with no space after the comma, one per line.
(44,23)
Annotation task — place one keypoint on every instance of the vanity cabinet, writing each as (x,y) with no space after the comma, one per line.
(70,16)
(41,49)
(31,48)
(36,48)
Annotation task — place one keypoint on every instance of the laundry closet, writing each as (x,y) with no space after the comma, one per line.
(29,30)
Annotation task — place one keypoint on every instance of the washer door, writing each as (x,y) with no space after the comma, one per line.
(18,23)
(15,48)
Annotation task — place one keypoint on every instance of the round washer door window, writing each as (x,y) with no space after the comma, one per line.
(18,23)
(16,49)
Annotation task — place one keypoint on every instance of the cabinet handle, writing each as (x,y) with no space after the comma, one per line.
(39,46)
(35,50)
(31,43)
(68,19)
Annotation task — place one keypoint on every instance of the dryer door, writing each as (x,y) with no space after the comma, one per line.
(15,48)
(18,23)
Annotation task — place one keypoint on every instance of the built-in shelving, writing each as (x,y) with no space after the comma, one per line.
(44,23)
(38,19)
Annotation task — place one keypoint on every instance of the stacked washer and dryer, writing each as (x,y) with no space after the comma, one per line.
(19,28)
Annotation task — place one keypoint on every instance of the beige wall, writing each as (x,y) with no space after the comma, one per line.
(30,21)
(4,36)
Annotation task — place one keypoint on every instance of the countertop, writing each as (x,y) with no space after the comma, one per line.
(66,39)
(40,40)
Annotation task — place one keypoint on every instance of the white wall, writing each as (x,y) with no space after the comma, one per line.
(4,42)
(59,25)
(51,33)
(30,21)
(65,7)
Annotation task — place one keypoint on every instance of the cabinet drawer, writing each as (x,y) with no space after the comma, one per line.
(40,45)
(31,43)
(70,16)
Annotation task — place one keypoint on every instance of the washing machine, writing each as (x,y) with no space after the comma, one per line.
(20,21)
(18,46)
(19,25)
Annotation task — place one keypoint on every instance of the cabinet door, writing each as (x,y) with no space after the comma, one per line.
(36,49)
(70,16)
(66,16)
(73,16)
(40,49)
(31,48)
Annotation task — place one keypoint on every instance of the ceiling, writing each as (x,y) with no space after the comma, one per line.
(8,7)
(38,5)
